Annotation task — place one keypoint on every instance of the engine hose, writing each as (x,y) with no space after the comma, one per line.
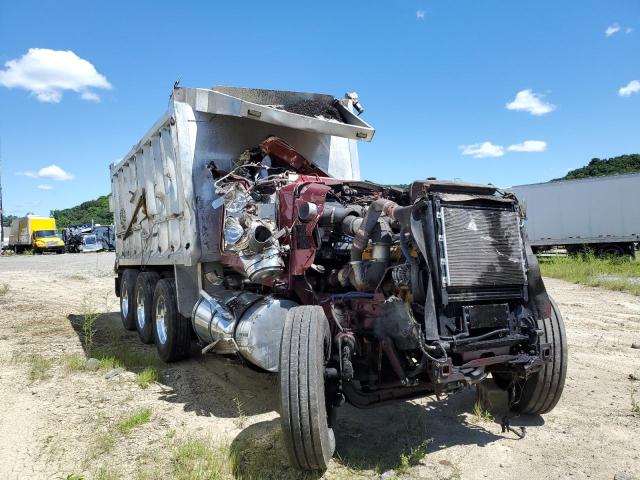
(366,227)
(457,341)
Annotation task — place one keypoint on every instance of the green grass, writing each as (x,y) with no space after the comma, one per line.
(613,273)
(135,419)
(481,414)
(74,363)
(38,367)
(4,289)
(199,459)
(147,376)
(106,473)
(115,356)
(408,460)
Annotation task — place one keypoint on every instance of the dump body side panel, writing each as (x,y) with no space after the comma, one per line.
(593,210)
(176,223)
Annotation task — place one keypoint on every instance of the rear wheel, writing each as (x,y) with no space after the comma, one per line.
(304,351)
(171,331)
(541,392)
(145,285)
(127,298)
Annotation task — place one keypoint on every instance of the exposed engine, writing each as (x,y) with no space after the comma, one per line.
(426,288)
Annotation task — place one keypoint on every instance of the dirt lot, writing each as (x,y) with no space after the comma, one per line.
(210,418)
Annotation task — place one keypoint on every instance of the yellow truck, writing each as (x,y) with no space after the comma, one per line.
(37,233)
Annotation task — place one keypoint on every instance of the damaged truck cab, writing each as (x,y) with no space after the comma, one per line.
(241,222)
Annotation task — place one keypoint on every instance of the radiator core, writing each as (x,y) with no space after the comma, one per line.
(482,247)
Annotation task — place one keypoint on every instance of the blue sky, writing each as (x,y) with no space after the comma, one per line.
(435,78)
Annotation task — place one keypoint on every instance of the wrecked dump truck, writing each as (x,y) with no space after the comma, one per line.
(242,224)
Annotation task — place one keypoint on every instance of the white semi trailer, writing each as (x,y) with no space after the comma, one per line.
(601,213)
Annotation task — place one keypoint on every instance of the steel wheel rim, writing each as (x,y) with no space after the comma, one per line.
(161,325)
(140,309)
(124,301)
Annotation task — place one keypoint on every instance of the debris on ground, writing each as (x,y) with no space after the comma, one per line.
(114,372)
(92,364)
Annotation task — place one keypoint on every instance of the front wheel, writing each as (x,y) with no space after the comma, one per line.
(541,391)
(304,351)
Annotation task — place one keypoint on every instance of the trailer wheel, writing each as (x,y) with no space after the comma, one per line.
(171,331)
(304,351)
(541,392)
(145,285)
(127,298)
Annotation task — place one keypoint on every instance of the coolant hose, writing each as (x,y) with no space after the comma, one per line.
(368,224)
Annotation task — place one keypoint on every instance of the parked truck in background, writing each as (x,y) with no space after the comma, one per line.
(35,233)
(241,222)
(599,213)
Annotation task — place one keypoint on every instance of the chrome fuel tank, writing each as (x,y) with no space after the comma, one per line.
(242,322)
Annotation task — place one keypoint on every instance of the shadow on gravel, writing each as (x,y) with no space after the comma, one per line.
(259,452)
(378,439)
(374,439)
(206,385)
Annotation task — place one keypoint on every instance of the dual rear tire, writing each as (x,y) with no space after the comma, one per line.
(148,305)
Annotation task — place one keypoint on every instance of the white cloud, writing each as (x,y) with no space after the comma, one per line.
(91,96)
(45,187)
(48,73)
(528,146)
(53,172)
(482,150)
(420,14)
(632,87)
(611,29)
(628,30)
(531,102)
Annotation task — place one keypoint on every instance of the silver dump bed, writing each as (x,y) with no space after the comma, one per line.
(162,190)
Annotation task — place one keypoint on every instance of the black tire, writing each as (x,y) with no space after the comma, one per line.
(542,390)
(145,286)
(127,298)
(304,350)
(171,331)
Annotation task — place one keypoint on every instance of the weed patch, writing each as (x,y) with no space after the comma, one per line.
(199,459)
(137,418)
(241,418)
(106,473)
(4,289)
(412,458)
(74,363)
(481,414)
(122,356)
(39,367)
(147,376)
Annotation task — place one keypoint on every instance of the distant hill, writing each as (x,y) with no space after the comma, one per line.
(600,167)
(94,210)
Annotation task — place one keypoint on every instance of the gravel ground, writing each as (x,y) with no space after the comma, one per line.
(58,419)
